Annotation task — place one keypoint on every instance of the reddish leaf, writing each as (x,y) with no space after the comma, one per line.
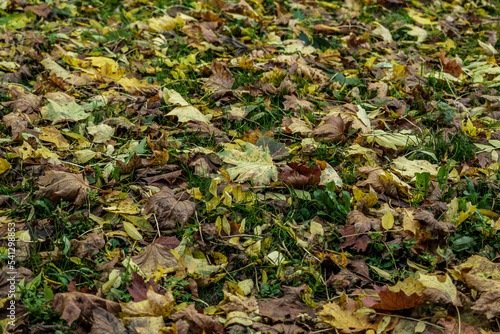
(301,175)
(392,301)
(139,290)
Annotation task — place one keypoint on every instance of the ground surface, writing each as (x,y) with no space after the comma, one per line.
(251,166)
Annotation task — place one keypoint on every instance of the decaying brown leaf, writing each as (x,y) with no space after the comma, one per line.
(301,175)
(106,323)
(334,129)
(86,248)
(392,301)
(153,257)
(64,186)
(169,210)
(292,102)
(23,102)
(74,305)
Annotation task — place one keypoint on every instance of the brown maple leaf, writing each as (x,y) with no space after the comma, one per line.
(169,209)
(292,102)
(221,80)
(392,301)
(153,257)
(334,129)
(357,225)
(76,304)
(64,186)
(450,65)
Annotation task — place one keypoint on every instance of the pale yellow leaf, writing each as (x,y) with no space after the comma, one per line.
(388,221)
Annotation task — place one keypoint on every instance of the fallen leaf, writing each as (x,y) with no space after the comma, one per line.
(102,132)
(197,322)
(251,163)
(383,32)
(52,135)
(69,187)
(106,323)
(296,125)
(301,175)
(388,221)
(392,301)
(155,305)
(169,210)
(333,129)
(76,304)
(287,308)
(56,112)
(138,289)
(409,168)
(65,75)
(221,80)
(4,165)
(440,289)
(344,318)
(23,101)
(86,248)
(292,102)
(154,257)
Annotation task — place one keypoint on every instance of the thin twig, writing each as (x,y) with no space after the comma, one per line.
(199,226)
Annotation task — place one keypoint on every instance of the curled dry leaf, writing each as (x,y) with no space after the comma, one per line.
(301,175)
(76,304)
(430,224)
(196,322)
(64,186)
(169,210)
(23,102)
(221,79)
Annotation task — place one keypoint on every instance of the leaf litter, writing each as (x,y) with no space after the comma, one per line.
(251,166)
